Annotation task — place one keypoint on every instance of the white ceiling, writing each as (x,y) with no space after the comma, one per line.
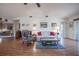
(13,10)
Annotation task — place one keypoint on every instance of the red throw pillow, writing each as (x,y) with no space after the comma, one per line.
(52,33)
(39,33)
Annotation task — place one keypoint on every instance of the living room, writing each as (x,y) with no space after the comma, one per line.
(39,28)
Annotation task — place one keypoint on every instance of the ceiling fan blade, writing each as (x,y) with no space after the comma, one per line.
(38,5)
(25,3)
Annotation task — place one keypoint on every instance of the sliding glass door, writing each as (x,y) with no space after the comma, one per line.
(76,35)
(76,30)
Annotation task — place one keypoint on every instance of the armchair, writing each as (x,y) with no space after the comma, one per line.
(26,36)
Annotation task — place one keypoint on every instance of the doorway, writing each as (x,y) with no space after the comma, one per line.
(17,32)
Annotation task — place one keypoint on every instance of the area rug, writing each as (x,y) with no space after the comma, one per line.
(40,46)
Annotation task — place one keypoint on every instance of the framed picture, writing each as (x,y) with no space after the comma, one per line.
(53,24)
(43,24)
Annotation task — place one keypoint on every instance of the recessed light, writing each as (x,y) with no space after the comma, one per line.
(30,16)
(46,16)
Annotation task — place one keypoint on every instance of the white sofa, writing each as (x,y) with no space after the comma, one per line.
(46,35)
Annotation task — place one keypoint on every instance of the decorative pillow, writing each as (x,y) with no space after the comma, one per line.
(39,33)
(52,33)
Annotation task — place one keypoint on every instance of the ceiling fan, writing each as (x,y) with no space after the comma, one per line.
(38,5)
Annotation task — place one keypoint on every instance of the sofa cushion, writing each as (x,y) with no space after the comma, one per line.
(52,33)
(39,33)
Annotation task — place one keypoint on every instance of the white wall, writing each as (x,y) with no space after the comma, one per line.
(37,20)
(70,31)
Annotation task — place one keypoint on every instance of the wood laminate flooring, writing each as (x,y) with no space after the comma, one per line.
(11,47)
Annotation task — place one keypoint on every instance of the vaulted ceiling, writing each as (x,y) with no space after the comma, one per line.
(59,10)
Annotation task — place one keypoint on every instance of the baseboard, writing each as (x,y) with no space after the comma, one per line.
(70,38)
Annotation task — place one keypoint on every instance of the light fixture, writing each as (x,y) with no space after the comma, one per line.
(34,28)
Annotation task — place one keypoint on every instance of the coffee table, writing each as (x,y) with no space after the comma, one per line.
(49,41)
